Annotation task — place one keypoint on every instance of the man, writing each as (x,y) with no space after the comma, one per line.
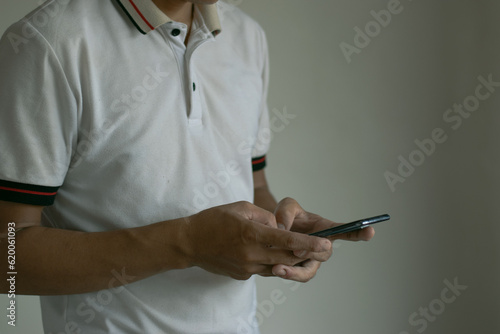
(133,137)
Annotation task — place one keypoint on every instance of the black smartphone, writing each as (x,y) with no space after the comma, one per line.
(349,227)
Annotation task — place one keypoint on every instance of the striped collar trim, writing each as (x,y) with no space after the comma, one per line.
(147,17)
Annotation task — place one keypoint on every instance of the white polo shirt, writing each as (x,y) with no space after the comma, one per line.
(109,120)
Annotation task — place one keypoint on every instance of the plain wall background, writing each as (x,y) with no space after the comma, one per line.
(352,122)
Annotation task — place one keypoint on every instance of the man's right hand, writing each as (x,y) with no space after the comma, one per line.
(241,239)
(236,240)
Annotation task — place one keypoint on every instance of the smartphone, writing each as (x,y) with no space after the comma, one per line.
(349,227)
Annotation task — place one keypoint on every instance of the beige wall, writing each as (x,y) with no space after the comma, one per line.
(352,121)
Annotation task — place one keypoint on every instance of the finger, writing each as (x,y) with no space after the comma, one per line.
(261,270)
(365,234)
(302,273)
(258,215)
(274,256)
(294,241)
(266,271)
(286,212)
(321,256)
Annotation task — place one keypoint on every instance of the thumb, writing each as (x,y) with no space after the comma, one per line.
(286,212)
(259,215)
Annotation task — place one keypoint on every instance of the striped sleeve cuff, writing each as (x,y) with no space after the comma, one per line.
(27,193)
(258,163)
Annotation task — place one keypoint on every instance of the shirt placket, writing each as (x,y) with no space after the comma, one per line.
(189,80)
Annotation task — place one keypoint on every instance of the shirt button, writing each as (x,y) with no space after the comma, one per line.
(175,32)
(194,87)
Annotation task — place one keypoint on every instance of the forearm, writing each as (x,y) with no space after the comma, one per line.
(264,199)
(53,261)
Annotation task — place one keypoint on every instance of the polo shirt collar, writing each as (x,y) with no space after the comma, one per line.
(147,17)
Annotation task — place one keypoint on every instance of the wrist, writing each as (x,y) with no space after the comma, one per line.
(184,244)
(166,244)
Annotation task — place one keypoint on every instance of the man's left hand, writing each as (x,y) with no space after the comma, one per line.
(291,216)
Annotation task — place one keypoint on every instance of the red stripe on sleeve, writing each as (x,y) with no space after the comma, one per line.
(261,160)
(28,191)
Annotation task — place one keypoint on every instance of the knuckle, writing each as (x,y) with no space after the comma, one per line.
(246,258)
(289,200)
(290,241)
(269,216)
(248,234)
(245,205)
(318,244)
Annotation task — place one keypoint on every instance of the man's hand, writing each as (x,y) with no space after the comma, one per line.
(290,216)
(241,239)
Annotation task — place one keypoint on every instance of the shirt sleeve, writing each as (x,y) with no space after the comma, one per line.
(38,118)
(263,139)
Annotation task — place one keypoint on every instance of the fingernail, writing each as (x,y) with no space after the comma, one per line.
(281,226)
